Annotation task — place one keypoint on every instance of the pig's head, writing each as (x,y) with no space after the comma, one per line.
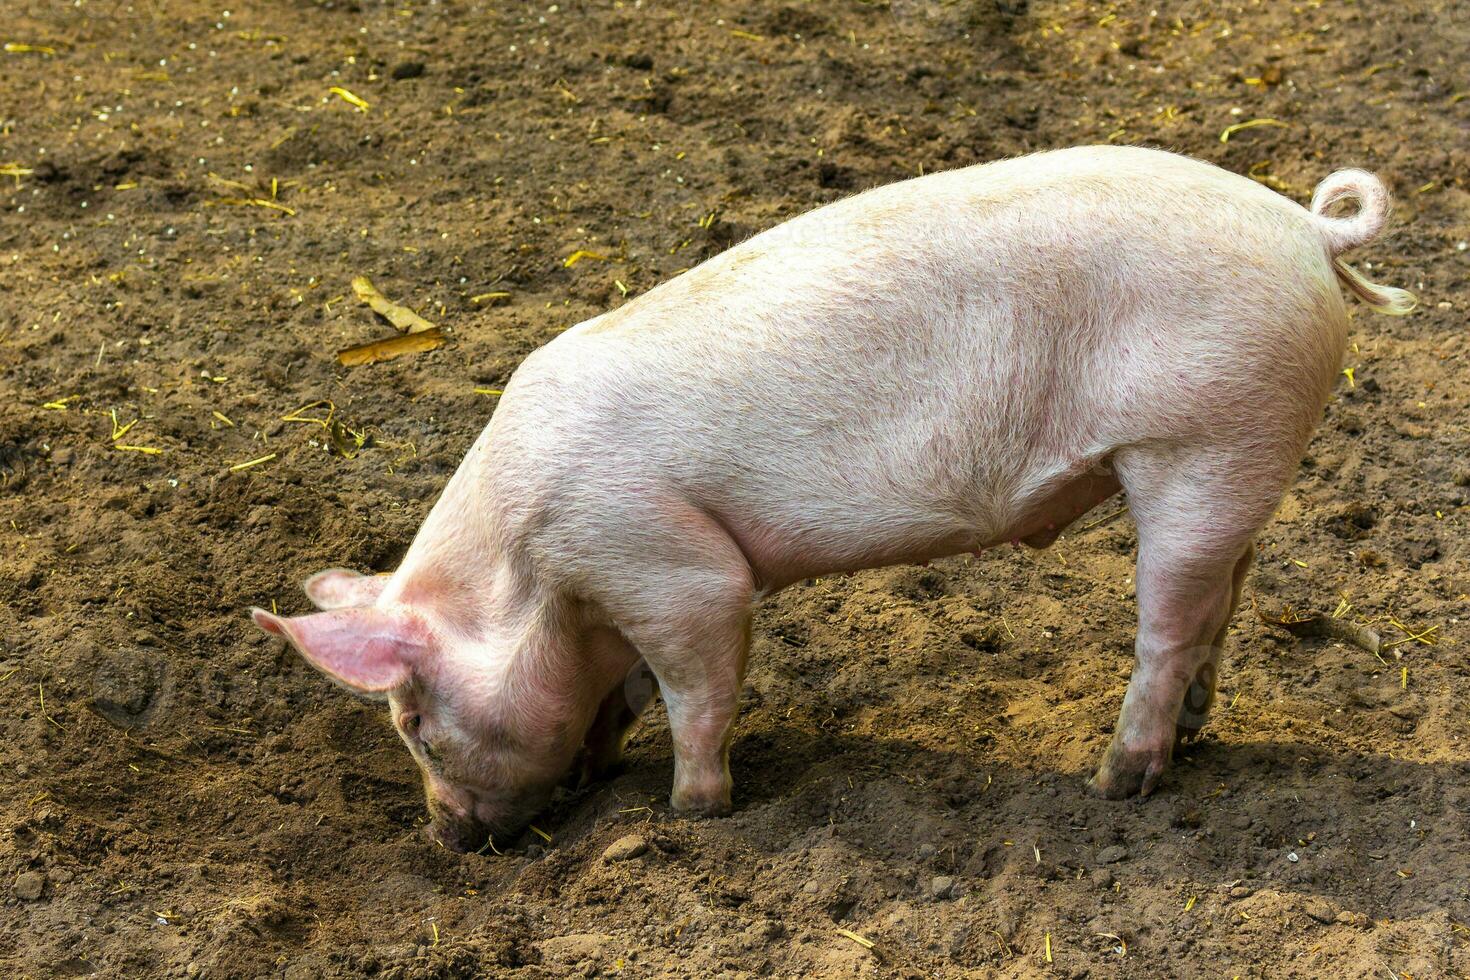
(492,729)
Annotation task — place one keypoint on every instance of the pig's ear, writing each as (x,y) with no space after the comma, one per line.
(369,650)
(339,588)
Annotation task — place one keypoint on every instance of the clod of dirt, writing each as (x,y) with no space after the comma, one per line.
(1353,522)
(1369,558)
(29,885)
(1320,910)
(1112,854)
(763,931)
(575,948)
(942,886)
(407,69)
(625,849)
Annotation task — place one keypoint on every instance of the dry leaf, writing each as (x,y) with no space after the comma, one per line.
(391,347)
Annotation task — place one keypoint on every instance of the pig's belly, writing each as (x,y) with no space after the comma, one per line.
(799,545)
(1052,513)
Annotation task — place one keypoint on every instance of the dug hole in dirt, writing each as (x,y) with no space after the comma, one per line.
(188,192)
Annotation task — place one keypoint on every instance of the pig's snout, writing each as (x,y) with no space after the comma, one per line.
(456,825)
(460,836)
(479,827)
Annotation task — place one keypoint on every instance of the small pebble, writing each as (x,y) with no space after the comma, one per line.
(29,885)
(625,849)
(407,69)
(942,886)
(1293,857)
(1102,878)
(1112,854)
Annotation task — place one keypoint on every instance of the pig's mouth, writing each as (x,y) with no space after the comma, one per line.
(467,832)
(462,837)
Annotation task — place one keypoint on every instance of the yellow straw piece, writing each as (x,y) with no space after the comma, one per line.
(1249,124)
(252,202)
(349,98)
(579,255)
(253,462)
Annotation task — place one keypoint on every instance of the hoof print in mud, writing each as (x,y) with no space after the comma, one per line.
(16,463)
(129,687)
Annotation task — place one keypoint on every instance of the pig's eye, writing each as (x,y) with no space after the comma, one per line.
(411,724)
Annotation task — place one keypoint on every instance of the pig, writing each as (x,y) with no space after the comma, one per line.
(934,367)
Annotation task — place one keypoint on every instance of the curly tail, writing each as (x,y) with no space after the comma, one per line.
(1343,234)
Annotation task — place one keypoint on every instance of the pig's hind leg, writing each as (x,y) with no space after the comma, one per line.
(1200,697)
(1196,515)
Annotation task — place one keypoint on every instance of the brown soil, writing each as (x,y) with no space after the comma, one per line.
(186,797)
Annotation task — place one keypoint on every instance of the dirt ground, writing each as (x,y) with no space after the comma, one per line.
(185,203)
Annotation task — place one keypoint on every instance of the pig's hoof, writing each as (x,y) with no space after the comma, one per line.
(702,810)
(594,767)
(1128,772)
(705,805)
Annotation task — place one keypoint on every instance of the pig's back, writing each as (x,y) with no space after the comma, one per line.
(927,355)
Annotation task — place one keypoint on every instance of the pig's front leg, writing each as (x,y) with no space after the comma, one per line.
(686,606)
(619,712)
(700,678)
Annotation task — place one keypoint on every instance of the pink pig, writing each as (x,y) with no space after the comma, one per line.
(928,368)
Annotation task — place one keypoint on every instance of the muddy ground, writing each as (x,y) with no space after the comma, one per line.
(186,202)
